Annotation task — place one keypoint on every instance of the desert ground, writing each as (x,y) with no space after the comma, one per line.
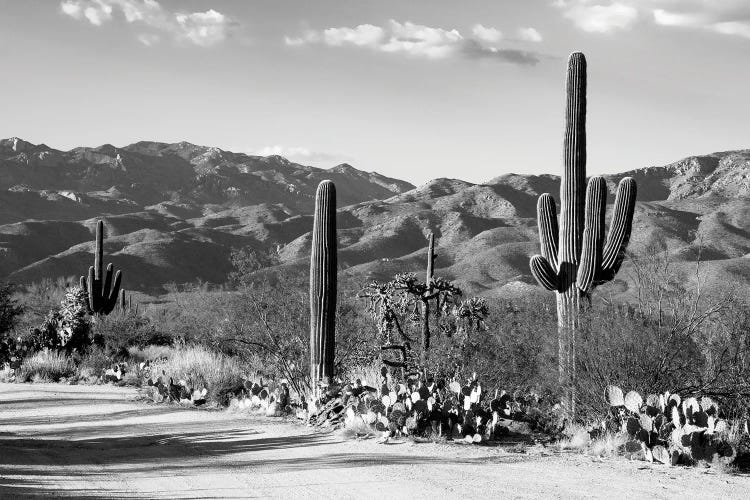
(107,442)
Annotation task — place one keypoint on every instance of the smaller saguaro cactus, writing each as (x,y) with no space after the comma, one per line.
(101,289)
(428,295)
(323,267)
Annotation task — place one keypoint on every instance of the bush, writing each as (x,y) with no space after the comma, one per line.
(10,310)
(46,366)
(120,332)
(92,364)
(67,327)
(200,367)
(149,353)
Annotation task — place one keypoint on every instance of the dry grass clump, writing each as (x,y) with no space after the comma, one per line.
(607,444)
(46,366)
(368,375)
(150,353)
(200,367)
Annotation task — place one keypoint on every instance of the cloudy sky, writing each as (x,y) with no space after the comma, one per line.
(415,89)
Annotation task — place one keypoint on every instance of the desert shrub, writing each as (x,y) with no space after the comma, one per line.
(675,335)
(265,324)
(46,366)
(246,262)
(64,328)
(149,353)
(10,311)
(119,332)
(518,347)
(38,298)
(200,367)
(93,363)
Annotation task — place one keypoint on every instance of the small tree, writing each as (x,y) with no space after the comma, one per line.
(10,310)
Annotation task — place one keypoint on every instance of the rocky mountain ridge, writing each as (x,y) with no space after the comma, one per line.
(173,212)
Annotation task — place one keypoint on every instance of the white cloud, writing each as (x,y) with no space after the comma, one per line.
(148,39)
(595,17)
(203,28)
(727,17)
(418,40)
(489,35)
(732,28)
(362,35)
(198,28)
(667,18)
(73,9)
(98,15)
(529,35)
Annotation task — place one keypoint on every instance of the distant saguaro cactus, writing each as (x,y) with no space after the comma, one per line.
(102,293)
(575,258)
(323,284)
(428,295)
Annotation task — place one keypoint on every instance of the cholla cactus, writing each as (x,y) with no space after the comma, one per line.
(72,315)
(65,327)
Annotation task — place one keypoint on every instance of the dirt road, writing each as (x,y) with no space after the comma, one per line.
(101,442)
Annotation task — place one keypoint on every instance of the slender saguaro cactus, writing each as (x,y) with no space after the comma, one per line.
(575,258)
(102,292)
(427,296)
(323,284)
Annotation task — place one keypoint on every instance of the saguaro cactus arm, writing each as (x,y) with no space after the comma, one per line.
(593,233)
(620,228)
(544,273)
(549,233)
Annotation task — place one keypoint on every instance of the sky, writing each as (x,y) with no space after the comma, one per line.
(413,89)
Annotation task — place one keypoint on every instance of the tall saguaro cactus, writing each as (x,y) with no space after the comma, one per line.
(102,292)
(323,284)
(576,258)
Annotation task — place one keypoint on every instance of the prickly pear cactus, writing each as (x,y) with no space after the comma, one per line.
(671,430)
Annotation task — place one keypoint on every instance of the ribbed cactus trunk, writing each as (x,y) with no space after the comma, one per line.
(101,289)
(575,258)
(323,284)
(427,297)
(571,222)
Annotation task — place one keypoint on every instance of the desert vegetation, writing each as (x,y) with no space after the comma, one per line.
(633,355)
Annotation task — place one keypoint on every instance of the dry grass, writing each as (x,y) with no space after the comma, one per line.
(150,353)
(577,438)
(7,374)
(200,367)
(369,375)
(46,366)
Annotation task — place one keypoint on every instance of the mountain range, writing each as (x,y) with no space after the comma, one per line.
(174,212)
